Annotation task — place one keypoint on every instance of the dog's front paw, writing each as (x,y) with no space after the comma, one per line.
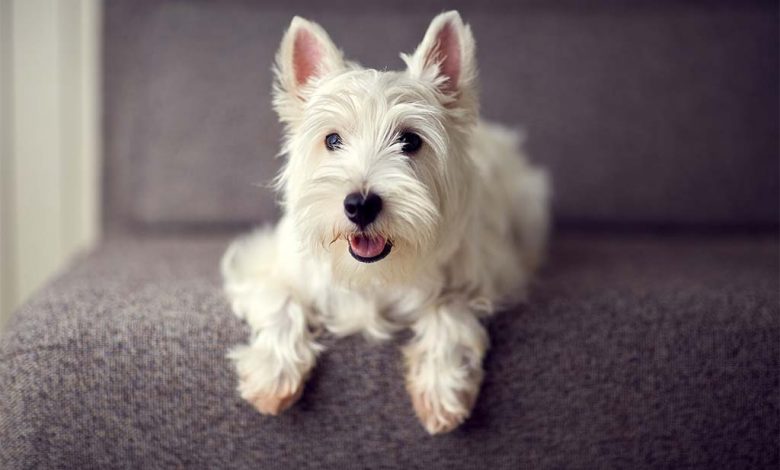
(269,402)
(443,388)
(444,366)
(266,380)
(441,411)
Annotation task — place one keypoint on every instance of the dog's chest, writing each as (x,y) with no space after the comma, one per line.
(379,314)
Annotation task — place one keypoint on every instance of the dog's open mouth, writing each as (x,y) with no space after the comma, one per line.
(368,249)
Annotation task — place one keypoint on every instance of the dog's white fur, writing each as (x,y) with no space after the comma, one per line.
(467,217)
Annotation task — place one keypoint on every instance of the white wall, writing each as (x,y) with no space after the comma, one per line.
(49,115)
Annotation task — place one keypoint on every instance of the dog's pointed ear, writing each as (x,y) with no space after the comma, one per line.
(446,55)
(305,55)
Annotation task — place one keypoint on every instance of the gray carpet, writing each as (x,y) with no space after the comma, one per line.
(633,352)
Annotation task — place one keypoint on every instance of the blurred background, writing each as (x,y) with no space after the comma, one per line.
(49,140)
(154,116)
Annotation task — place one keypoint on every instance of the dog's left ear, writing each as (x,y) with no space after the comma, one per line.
(306,55)
(446,55)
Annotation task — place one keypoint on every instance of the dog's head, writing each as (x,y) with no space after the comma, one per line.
(377,176)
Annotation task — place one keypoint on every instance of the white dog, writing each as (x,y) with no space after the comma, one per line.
(401,210)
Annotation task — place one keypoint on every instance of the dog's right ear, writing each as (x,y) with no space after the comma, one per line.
(305,56)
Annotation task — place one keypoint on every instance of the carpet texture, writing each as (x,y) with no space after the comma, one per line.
(633,352)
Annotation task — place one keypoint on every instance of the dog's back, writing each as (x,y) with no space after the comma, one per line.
(512,209)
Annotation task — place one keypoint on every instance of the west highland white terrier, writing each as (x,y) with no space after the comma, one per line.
(402,209)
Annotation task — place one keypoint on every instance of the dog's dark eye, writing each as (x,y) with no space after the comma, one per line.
(333,141)
(410,142)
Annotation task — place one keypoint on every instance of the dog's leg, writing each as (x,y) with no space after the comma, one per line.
(273,367)
(444,365)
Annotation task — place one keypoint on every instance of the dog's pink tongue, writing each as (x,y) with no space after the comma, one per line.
(367,247)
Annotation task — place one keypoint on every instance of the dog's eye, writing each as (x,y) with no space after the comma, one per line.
(410,142)
(333,141)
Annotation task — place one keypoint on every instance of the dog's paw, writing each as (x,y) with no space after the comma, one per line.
(444,366)
(440,416)
(269,402)
(443,392)
(266,380)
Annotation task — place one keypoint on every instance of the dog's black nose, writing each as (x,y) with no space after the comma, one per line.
(362,210)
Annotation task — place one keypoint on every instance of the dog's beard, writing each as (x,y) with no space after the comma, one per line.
(392,252)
